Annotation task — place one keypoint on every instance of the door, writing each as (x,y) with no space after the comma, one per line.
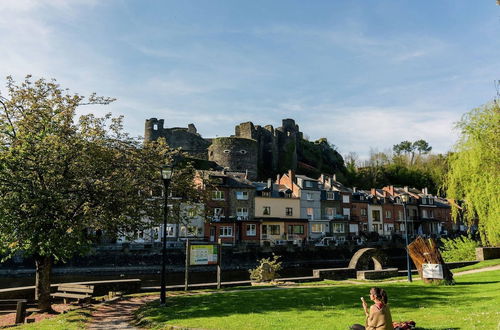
(212,234)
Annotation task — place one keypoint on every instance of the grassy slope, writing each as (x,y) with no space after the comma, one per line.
(470,304)
(72,320)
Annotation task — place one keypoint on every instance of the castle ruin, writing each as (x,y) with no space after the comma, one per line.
(260,151)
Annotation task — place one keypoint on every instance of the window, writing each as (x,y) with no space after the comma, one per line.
(242,212)
(243,152)
(309,196)
(431,201)
(388,214)
(266,194)
(431,214)
(330,195)
(251,230)
(218,195)
(345,198)
(271,229)
(289,211)
(338,228)
(363,212)
(266,210)
(170,231)
(318,228)
(400,215)
(226,231)
(296,229)
(310,213)
(308,184)
(376,215)
(330,212)
(288,194)
(375,227)
(242,195)
(192,213)
(218,212)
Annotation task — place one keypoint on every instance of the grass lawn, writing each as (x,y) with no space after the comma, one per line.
(481,264)
(473,303)
(71,320)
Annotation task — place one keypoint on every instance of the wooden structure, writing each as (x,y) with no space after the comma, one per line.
(74,291)
(17,306)
(425,251)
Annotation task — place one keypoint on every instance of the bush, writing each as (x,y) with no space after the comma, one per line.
(462,248)
(267,270)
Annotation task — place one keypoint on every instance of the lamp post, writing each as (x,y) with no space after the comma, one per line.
(404,199)
(166,175)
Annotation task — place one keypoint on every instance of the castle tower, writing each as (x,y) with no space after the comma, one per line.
(235,154)
(153,129)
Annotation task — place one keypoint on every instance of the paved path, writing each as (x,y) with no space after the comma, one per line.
(486,269)
(118,314)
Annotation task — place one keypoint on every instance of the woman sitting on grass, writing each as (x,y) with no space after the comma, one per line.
(378,317)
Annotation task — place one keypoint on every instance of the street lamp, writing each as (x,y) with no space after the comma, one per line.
(404,199)
(166,175)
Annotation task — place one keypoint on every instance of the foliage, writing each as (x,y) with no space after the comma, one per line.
(267,270)
(462,248)
(62,179)
(474,175)
(334,307)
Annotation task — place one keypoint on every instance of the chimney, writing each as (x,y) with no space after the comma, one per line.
(386,194)
(354,189)
(406,188)
(373,191)
(335,177)
(291,176)
(270,183)
(425,191)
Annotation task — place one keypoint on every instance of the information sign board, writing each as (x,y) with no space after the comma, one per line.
(432,271)
(203,255)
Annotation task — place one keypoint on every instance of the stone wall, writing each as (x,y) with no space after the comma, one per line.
(486,253)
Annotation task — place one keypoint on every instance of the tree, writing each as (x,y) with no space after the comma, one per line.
(474,174)
(422,147)
(63,179)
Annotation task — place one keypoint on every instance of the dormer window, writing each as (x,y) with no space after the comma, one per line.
(431,201)
(330,195)
(227,151)
(308,184)
(266,193)
(243,152)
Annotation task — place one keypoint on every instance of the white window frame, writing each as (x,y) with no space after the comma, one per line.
(316,226)
(363,212)
(330,212)
(338,228)
(309,196)
(330,195)
(251,229)
(242,212)
(218,212)
(388,214)
(242,195)
(345,198)
(308,184)
(218,195)
(226,231)
(289,211)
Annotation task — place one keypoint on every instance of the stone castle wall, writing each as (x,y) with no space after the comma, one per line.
(268,150)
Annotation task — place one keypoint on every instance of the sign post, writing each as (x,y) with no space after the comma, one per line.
(219,273)
(186,275)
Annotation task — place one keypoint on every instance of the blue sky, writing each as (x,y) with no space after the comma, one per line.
(364,74)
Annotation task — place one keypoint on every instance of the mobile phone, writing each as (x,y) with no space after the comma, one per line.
(362,298)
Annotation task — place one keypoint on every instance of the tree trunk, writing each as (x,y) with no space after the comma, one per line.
(42,282)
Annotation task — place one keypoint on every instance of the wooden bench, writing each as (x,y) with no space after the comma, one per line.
(17,306)
(74,291)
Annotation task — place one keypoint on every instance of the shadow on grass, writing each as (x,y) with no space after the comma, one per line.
(296,299)
(334,299)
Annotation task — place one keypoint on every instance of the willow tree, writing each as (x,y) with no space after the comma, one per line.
(474,173)
(62,178)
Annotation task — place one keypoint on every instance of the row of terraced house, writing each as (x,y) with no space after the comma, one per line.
(298,209)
